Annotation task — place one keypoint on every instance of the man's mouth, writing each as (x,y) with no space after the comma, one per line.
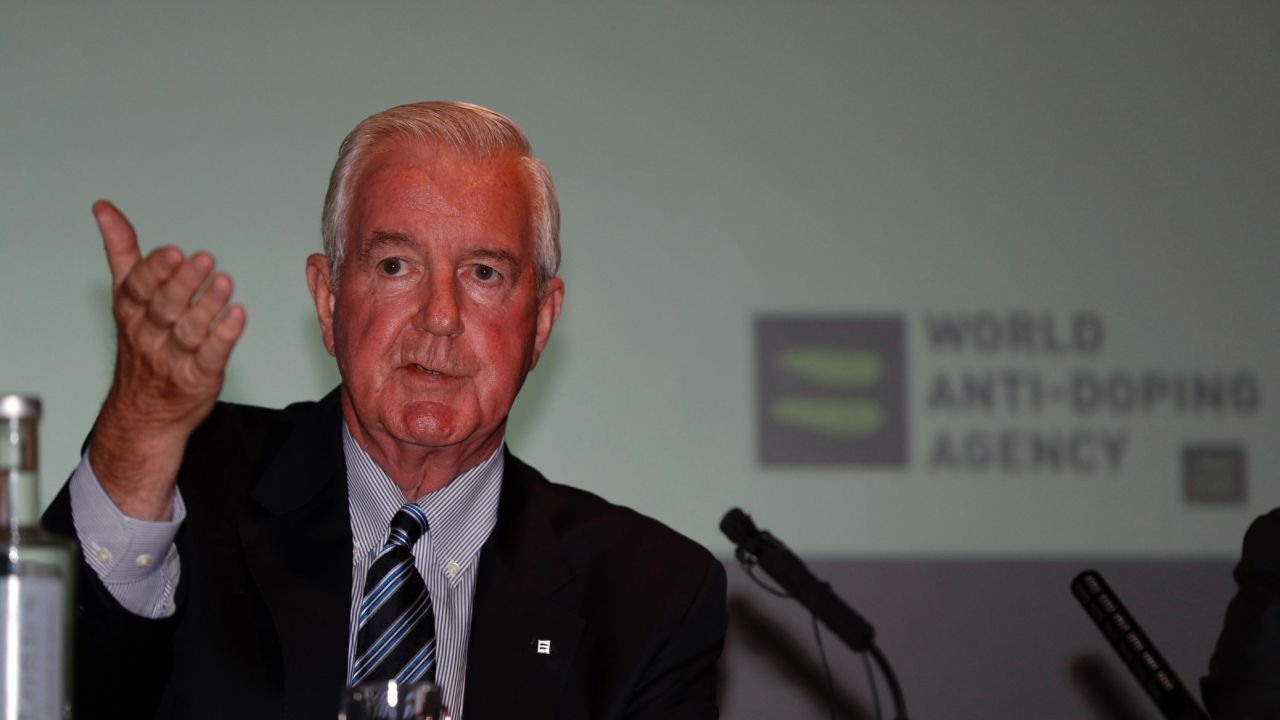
(441,373)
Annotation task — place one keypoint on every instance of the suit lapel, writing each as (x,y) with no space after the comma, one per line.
(524,632)
(296,534)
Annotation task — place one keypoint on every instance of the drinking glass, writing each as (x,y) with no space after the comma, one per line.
(391,700)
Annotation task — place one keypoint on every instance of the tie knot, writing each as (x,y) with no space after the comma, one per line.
(407,525)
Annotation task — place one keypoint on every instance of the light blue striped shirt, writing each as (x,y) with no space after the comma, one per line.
(139,565)
(460,515)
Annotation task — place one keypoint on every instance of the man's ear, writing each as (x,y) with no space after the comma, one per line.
(322,294)
(548,312)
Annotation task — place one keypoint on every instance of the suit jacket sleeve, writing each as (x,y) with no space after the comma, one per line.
(1244,673)
(680,683)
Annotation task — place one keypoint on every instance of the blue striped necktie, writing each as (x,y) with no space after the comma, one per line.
(396,639)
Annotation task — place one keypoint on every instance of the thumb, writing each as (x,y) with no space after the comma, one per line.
(118,238)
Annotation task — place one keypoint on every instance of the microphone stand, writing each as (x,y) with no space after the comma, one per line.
(762,548)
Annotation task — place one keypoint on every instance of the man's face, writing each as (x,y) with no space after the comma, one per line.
(436,320)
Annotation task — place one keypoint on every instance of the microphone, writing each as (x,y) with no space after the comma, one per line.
(790,572)
(1135,648)
(740,528)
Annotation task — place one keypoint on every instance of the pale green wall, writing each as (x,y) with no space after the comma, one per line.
(715,160)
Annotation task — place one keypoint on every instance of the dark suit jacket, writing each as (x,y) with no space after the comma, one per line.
(635,612)
(1244,674)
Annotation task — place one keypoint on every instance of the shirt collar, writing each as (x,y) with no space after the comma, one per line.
(461,514)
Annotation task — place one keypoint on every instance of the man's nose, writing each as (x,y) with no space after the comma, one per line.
(440,313)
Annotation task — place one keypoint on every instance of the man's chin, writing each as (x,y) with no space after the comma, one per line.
(427,424)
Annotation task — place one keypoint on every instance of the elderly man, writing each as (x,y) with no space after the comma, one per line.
(248,563)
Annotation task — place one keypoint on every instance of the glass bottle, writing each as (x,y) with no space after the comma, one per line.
(35,579)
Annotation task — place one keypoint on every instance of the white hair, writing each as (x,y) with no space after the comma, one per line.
(471,131)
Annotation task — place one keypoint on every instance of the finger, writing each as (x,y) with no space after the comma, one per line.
(118,238)
(212,354)
(175,295)
(193,326)
(146,277)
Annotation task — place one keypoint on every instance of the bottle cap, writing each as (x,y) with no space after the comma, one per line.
(19,407)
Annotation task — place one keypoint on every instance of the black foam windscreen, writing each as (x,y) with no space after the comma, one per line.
(1135,648)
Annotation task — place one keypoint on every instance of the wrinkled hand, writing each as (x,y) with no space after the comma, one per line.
(173,342)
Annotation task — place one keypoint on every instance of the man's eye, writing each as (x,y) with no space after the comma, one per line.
(484,273)
(392,266)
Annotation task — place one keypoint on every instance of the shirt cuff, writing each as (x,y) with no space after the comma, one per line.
(135,559)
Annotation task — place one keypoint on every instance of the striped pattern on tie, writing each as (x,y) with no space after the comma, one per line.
(396,635)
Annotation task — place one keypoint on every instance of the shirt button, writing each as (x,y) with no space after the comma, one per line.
(355,551)
(103,555)
(143,560)
(452,569)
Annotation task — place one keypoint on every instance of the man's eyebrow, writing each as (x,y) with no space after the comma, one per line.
(380,238)
(500,254)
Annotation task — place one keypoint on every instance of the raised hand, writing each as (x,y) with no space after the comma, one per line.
(173,342)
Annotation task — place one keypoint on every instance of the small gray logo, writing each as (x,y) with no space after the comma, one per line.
(1214,474)
(832,390)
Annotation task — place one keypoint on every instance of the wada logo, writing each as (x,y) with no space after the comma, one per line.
(1214,474)
(832,390)
(839,417)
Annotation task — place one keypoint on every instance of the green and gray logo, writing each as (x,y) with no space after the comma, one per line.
(832,390)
